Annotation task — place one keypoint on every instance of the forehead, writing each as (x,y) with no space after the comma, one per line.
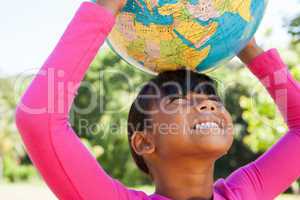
(204,92)
(171,88)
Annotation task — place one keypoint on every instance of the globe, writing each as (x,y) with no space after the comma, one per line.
(162,35)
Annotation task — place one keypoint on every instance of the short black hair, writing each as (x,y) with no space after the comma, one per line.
(188,81)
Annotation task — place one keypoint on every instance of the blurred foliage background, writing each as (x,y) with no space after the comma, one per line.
(257,122)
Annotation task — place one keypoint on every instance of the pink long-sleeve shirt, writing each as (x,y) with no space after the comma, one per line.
(74,174)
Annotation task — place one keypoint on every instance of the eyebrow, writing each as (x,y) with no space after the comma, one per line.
(209,97)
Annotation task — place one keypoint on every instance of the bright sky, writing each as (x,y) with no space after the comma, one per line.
(30,29)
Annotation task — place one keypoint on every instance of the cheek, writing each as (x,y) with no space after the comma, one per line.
(170,133)
(170,123)
(230,126)
(227,116)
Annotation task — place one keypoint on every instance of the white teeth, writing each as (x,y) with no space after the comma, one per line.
(207,125)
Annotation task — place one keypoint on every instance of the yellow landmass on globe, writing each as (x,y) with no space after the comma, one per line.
(154,32)
(193,57)
(136,49)
(199,34)
(169,54)
(175,54)
(172,9)
(242,7)
(158,47)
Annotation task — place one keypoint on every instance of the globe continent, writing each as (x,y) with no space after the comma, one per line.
(162,35)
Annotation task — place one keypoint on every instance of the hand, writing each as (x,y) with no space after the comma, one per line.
(251,51)
(114,6)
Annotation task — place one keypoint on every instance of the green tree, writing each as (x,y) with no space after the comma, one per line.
(13,159)
(294,29)
(113,85)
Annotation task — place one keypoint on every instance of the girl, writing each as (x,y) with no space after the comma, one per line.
(179,160)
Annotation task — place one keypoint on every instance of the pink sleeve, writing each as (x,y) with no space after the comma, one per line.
(279,167)
(42,115)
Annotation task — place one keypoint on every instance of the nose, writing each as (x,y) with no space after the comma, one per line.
(207,105)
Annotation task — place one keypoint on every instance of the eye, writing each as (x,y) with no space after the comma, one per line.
(215,98)
(177,100)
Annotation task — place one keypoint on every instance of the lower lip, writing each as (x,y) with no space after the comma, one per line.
(209,131)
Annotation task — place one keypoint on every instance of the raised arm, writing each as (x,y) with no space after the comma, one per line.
(42,115)
(279,167)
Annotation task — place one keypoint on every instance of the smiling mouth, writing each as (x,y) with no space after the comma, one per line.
(208,124)
(208,127)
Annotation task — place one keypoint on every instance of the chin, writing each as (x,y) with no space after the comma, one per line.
(213,144)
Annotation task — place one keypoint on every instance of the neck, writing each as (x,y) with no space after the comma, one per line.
(185,180)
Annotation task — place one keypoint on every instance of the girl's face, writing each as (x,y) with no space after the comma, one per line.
(191,125)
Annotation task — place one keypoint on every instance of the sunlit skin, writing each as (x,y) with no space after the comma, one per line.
(178,155)
(181,159)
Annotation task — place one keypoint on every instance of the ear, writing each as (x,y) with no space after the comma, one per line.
(142,143)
